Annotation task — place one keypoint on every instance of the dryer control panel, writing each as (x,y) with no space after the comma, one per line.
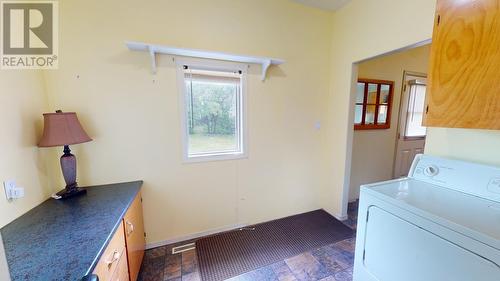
(472,178)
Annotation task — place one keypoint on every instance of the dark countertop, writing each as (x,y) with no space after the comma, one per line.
(63,240)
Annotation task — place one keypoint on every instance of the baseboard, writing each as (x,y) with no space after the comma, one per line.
(340,217)
(337,216)
(194,236)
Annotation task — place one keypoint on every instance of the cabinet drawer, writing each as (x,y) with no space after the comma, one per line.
(121,273)
(112,256)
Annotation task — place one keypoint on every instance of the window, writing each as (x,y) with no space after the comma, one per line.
(415,109)
(212,112)
(373,104)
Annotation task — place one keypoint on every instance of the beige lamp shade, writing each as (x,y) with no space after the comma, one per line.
(62,128)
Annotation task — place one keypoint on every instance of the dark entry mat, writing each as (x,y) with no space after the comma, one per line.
(235,252)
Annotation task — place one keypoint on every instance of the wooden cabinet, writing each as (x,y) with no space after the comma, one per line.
(463,84)
(134,236)
(121,261)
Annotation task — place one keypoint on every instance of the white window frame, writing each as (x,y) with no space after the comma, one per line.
(215,66)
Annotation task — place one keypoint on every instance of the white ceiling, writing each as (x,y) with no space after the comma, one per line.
(330,5)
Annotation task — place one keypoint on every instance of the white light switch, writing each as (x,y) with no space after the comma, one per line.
(12,191)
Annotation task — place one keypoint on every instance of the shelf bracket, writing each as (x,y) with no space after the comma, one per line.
(265,66)
(152,54)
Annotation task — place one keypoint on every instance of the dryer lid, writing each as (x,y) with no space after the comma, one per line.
(475,217)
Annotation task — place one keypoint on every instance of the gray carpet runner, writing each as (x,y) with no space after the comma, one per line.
(232,253)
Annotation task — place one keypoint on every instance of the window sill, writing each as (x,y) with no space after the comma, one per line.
(215,157)
(372,127)
(414,138)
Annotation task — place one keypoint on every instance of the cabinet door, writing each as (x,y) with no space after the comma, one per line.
(134,237)
(112,256)
(463,86)
(121,272)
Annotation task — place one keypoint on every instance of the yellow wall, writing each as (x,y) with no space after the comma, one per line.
(373,150)
(363,29)
(482,146)
(23,101)
(134,117)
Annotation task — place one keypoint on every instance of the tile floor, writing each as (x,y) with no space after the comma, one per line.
(332,262)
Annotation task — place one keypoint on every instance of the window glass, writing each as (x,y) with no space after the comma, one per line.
(213,113)
(360,93)
(372,94)
(384,94)
(382,114)
(415,113)
(370,114)
(358,114)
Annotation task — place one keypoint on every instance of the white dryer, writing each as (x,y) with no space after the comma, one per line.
(441,223)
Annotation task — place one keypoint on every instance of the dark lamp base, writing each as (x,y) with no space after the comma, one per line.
(68,166)
(67,193)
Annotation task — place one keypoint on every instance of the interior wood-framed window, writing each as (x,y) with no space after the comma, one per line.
(373,104)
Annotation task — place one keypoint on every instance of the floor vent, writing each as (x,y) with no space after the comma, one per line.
(183,248)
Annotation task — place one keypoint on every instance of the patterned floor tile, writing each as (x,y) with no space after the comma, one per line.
(193,276)
(347,244)
(306,267)
(329,278)
(152,269)
(332,263)
(262,274)
(283,272)
(345,275)
(173,267)
(189,262)
(156,252)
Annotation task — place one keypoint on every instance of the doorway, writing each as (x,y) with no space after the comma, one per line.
(384,143)
(411,134)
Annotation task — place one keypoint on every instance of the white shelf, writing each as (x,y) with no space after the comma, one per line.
(159,49)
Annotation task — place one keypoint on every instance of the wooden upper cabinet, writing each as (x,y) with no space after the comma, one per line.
(464,76)
(134,236)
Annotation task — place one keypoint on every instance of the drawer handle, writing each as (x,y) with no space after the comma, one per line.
(130,228)
(116,256)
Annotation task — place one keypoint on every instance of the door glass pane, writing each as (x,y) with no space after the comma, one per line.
(372,94)
(360,92)
(415,112)
(384,94)
(358,114)
(382,114)
(370,114)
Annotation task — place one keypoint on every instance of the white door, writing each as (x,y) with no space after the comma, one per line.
(411,133)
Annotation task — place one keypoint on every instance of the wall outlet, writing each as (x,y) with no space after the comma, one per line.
(12,191)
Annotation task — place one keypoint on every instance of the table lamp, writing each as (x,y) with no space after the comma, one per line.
(63,129)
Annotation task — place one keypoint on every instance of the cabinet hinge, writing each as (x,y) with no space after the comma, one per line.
(438,20)
(426,109)
(404,88)
(144,234)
